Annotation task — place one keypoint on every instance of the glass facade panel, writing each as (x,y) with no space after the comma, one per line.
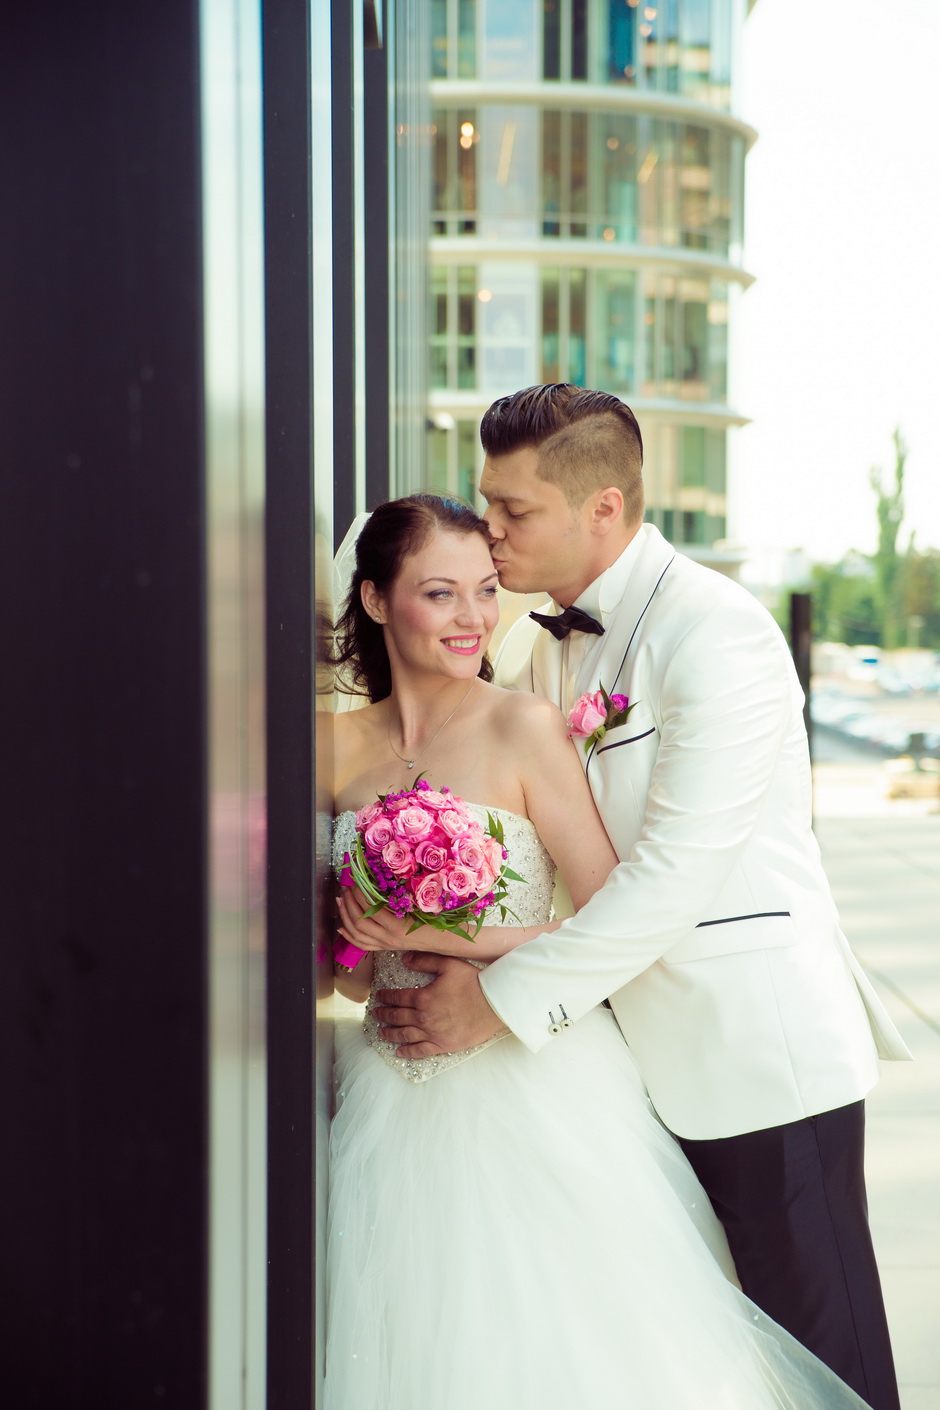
(468,450)
(466,38)
(599,176)
(551,325)
(577,330)
(551,39)
(466,327)
(614,323)
(693,294)
(674,46)
(439,39)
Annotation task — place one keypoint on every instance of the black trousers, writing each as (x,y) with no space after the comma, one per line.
(792,1200)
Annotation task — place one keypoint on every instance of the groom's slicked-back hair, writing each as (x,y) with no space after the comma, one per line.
(586,440)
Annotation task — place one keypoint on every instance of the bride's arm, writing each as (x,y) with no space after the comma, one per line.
(384,931)
(355,983)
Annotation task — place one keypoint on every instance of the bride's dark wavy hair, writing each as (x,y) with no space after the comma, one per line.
(396,529)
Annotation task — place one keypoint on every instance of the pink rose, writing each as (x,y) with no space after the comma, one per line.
(461,881)
(587,715)
(437,801)
(430,855)
(396,801)
(469,853)
(368,815)
(413,824)
(399,858)
(453,823)
(428,893)
(494,856)
(378,834)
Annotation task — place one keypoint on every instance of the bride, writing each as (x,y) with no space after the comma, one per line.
(507,1230)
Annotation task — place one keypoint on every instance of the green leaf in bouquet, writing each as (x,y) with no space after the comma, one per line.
(511,875)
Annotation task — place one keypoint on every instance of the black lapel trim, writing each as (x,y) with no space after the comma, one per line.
(623,660)
(728,920)
(632,740)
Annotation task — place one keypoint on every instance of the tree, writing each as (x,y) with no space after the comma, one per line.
(887,561)
(845,602)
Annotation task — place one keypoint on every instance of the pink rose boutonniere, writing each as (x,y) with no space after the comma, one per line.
(594,713)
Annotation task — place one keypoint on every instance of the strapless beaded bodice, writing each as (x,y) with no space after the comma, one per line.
(531,901)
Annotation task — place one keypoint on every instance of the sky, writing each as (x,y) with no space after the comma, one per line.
(838,341)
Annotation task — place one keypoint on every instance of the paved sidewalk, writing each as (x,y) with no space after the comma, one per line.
(883,860)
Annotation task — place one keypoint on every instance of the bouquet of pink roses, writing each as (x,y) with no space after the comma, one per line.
(423,854)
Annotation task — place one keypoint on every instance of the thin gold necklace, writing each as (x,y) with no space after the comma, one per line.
(411,762)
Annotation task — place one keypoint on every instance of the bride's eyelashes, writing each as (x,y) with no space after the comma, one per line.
(439,594)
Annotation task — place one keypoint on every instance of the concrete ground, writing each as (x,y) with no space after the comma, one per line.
(883,860)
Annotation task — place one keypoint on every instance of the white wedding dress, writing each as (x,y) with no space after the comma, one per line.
(511,1231)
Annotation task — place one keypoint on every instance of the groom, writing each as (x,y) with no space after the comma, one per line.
(716,938)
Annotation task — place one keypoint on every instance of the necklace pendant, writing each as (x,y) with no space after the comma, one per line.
(411,763)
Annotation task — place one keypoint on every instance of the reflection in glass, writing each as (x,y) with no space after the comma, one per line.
(234,381)
(598,176)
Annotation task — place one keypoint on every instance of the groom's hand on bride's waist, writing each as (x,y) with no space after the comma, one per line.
(445,1016)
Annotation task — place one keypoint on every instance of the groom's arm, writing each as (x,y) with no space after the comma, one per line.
(727,706)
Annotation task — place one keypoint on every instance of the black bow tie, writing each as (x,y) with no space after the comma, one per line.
(571,620)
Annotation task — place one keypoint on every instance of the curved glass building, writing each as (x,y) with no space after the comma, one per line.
(587,199)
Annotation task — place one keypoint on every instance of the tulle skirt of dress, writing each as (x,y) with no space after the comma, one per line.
(522,1232)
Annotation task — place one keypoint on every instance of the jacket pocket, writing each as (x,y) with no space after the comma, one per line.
(733,935)
(629,733)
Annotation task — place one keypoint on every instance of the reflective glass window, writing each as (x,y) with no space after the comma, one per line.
(468,448)
(466,39)
(438,38)
(693,294)
(577,339)
(551,325)
(614,326)
(466,339)
(551,173)
(439,327)
(438,459)
(621,57)
(718,341)
(695,48)
(579,38)
(551,39)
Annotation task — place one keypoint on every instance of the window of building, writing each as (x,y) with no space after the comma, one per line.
(455,133)
(453,335)
(601,176)
(685,338)
(453,38)
(614,323)
(455,459)
(675,46)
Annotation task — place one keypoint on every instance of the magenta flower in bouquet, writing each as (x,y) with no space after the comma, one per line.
(423,854)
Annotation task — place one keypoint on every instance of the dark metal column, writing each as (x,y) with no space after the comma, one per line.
(103,740)
(344,267)
(290,701)
(375,166)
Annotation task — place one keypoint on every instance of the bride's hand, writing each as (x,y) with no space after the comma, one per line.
(382,931)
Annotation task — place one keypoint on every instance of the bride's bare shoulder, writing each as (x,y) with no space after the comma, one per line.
(518,711)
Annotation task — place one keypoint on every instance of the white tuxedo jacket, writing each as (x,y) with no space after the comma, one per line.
(716,938)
